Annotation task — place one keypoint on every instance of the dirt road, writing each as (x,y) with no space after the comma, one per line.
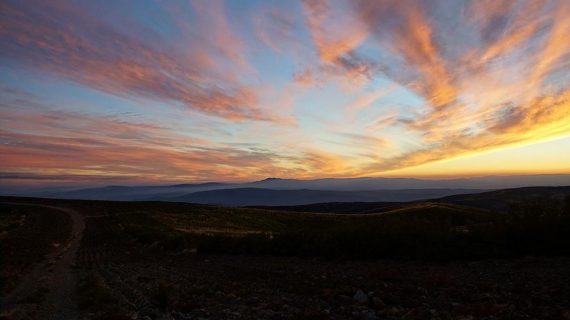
(52,281)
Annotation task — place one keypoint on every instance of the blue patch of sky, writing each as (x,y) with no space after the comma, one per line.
(62,95)
(144,20)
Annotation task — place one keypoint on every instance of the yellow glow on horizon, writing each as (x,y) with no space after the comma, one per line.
(550,156)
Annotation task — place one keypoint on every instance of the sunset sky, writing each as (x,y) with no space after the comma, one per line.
(134,92)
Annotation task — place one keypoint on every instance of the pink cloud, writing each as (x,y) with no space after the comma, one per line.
(66,41)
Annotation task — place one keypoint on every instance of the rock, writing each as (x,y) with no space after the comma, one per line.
(368,315)
(345,299)
(377,302)
(267,313)
(360,297)
(393,311)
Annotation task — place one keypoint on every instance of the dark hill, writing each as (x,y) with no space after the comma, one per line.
(501,199)
(270,197)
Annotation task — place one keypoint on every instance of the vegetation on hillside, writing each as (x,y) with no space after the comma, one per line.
(425,230)
(138,260)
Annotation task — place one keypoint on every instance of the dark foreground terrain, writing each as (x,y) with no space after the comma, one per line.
(64,259)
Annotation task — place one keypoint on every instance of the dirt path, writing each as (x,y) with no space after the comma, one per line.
(52,281)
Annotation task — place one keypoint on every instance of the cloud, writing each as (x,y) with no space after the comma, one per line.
(403,29)
(472,76)
(542,119)
(337,32)
(279,29)
(366,100)
(367,142)
(488,89)
(383,121)
(305,78)
(37,141)
(64,39)
(488,95)
(334,32)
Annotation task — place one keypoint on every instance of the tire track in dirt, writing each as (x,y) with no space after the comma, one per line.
(54,277)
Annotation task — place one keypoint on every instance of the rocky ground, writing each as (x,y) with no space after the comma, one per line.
(116,277)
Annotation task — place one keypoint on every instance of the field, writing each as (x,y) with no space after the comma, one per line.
(74,259)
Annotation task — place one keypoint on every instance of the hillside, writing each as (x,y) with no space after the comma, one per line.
(498,200)
(158,260)
(501,200)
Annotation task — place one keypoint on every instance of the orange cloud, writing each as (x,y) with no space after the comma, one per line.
(402,27)
(365,101)
(475,105)
(277,28)
(334,32)
(40,145)
(481,95)
(544,118)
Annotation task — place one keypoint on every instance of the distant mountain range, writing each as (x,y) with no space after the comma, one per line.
(281,192)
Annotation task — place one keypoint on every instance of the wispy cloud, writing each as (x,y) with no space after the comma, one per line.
(38,141)
(64,39)
(482,95)
(302,86)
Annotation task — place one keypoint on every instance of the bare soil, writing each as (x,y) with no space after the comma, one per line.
(48,290)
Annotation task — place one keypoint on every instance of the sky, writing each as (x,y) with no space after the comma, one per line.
(141,92)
